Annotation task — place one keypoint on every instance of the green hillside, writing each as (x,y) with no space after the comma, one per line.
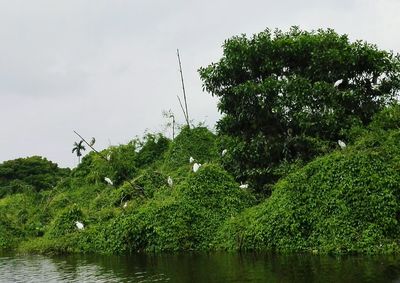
(305,158)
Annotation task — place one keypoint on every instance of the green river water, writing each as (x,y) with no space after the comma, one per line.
(214,267)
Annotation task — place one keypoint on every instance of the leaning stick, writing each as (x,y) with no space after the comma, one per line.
(136,187)
(183,88)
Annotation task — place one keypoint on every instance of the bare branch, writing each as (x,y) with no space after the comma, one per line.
(105,158)
(102,156)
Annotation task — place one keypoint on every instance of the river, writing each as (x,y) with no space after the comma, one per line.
(193,268)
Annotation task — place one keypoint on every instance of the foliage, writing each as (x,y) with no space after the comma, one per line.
(210,196)
(277,94)
(64,222)
(78,148)
(7,239)
(20,218)
(150,181)
(185,220)
(345,202)
(151,149)
(121,163)
(198,143)
(387,119)
(29,174)
(281,109)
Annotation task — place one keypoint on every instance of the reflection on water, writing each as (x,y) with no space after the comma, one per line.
(216,267)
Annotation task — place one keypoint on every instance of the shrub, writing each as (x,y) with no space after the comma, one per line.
(29,174)
(344,202)
(185,220)
(198,143)
(64,222)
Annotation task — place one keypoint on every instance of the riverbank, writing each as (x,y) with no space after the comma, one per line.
(345,202)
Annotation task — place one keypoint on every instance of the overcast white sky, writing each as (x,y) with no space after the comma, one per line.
(108,68)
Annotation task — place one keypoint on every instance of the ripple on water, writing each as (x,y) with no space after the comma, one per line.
(39,269)
(196,268)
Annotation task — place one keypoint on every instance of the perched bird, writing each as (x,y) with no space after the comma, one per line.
(92,141)
(108,180)
(125,204)
(244,186)
(196,167)
(341,144)
(224,152)
(79,225)
(191,160)
(169,181)
(109,157)
(338,83)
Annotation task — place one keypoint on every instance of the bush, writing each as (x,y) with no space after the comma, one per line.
(29,174)
(121,163)
(64,222)
(198,143)
(344,202)
(151,149)
(185,220)
(7,237)
(148,182)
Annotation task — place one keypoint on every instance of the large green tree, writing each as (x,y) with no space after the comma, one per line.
(292,95)
(33,173)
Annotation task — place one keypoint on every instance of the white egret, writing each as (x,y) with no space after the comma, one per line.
(224,152)
(191,160)
(196,167)
(79,225)
(338,83)
(244,186)
(169,181)
(125,205)
(108,180)
(341,144)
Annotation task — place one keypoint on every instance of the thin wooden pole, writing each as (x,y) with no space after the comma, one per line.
(173,126)
(102,156)
(183,110)
(183,88)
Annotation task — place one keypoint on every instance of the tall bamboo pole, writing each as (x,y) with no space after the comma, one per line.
(183,88)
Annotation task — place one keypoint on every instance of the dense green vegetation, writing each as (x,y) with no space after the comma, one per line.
(29,174)
(123,218)
(346,201)
(305,193)
(291,96)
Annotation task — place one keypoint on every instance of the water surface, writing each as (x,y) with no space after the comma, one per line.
(193,268)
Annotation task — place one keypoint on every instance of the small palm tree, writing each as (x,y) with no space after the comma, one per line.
(78,147)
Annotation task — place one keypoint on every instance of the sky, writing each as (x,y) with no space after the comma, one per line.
(108,69)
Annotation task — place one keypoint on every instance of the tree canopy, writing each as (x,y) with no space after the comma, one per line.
(33,173)
(292,95)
